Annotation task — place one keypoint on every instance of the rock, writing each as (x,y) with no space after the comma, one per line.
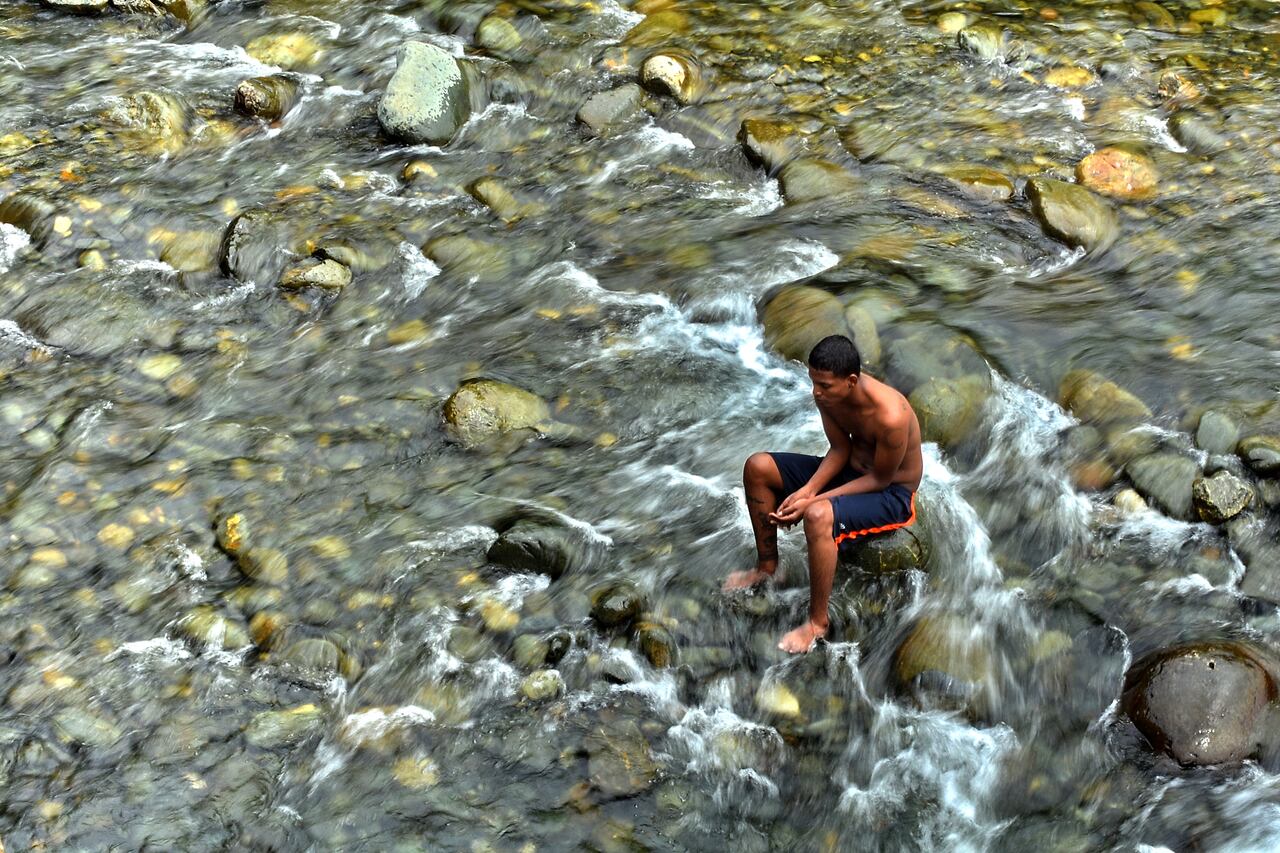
(1129,502)
(428,98)
(943,643)
(498,35)
(533,546)
(671,74)
(657,28)
(1165,479)
(985,42)
(1221,497)
(494,195)
(290,51)
(777,700)
(329,275)
(605,113)
(542,685)
(265,565)
(192,251)
(872,140)
(497,617)
(482,408)
(1217,433)
(1198,135)
(1201,704)
(273,729)
(78,7)
(232,533)
(1072,214)
(1262,454)
(619,762)
(808,179)
(32,214)
(207,628)
(862,328)
(981,182)
(529,651)
(798,316)
(931,353)
(468,644)
(771,144)
(952,22)
(1095,400)
(950,409)
(1069,77)
(616,604)
(318,659)
(156,122)
(657,644)
(466,256)
(253,248)
(1118,173)
(266,97)
(898,551)
(77,726)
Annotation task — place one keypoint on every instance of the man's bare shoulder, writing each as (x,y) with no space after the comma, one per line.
(893,411)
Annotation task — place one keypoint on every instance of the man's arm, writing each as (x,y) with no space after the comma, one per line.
(833,463)
(891,449)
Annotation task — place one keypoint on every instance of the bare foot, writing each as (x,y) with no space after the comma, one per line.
(802,639)
(746,580)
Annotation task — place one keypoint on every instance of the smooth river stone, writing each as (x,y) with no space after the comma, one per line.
(428,98)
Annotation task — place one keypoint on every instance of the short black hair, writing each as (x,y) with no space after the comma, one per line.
(836,354)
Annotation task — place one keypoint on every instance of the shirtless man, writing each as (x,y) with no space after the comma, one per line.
(865,484)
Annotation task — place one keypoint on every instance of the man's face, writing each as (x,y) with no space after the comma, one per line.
(828,388)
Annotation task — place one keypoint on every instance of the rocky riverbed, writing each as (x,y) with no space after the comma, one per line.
(377,380)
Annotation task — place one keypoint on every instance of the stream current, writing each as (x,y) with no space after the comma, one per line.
(145,395)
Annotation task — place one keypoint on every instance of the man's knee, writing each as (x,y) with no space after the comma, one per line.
(760,467)
(818,518)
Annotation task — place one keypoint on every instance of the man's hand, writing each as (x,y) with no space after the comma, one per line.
(792,509)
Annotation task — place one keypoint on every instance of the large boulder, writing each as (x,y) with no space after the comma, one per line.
(1201,704)
(797,317)
(1221,497)
(428,98)
(1095,400)
(931,353)
(950,409)
(1262,454)
(482,408)
(1165,479)
(1072,214)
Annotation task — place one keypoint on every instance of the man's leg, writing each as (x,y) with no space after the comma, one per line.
(762,482)
(823,552)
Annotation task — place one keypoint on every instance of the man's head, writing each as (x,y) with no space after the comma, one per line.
(834,368)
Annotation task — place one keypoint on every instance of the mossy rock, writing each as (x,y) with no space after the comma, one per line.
(950,409)
(798,316)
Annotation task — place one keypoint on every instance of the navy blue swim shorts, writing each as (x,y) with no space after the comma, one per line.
(855,515)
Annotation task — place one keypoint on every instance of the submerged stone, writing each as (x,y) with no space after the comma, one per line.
(1072,214)
(1096,400)
(616,604)
(605,113)
(1165,479)
(428,98)
(808,179)
(533,546)
(290,51)
(273,729)
(1217,432)
(1201,704)
(771,144)
(620,763)
(1262,454)
(482,408)
(327,275)
(981,182)
(266,97)
(542,685)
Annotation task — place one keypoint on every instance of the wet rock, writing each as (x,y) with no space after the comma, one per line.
(328,275)
(1072,214)
(885,553)
(950,409)
(981,182)
(482,408)
(498,35)
(1069,77)
(558,645)
(318,659)
(862,328)
(808,179)
(985,42)
(657,28)
(945,657)
(290,51)
(529,651)
(465,256)
(616,604)
(1262,454)
(1201,704)
(428,98)
(1165,479)
(1197,134)
(192,251)
(1129,502)
(494,195)
(952,22)
(606,113)
(1258,547)
(153,122)
(771,144)
(671,74)
(207,628)
(931,353)
(797,317)
(1118,173)
(777,700)
(619,761)
(1217,433)
(232,533)
(274,729)
(266,97)
(871,140)
(533,546)
(78,726)
(1221,497)
(265,565)
(253,248)
(542,685)
(1096,400)
(656,644)
(32,214)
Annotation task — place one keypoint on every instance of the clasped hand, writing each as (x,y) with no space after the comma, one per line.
(792,509)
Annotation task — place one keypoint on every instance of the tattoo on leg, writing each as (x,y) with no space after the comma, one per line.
(767,552)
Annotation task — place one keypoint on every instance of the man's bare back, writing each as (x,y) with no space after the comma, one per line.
(864,485)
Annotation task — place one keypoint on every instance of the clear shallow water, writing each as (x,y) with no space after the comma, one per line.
(142,402)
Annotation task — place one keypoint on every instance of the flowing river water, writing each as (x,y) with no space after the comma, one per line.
(373,695)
